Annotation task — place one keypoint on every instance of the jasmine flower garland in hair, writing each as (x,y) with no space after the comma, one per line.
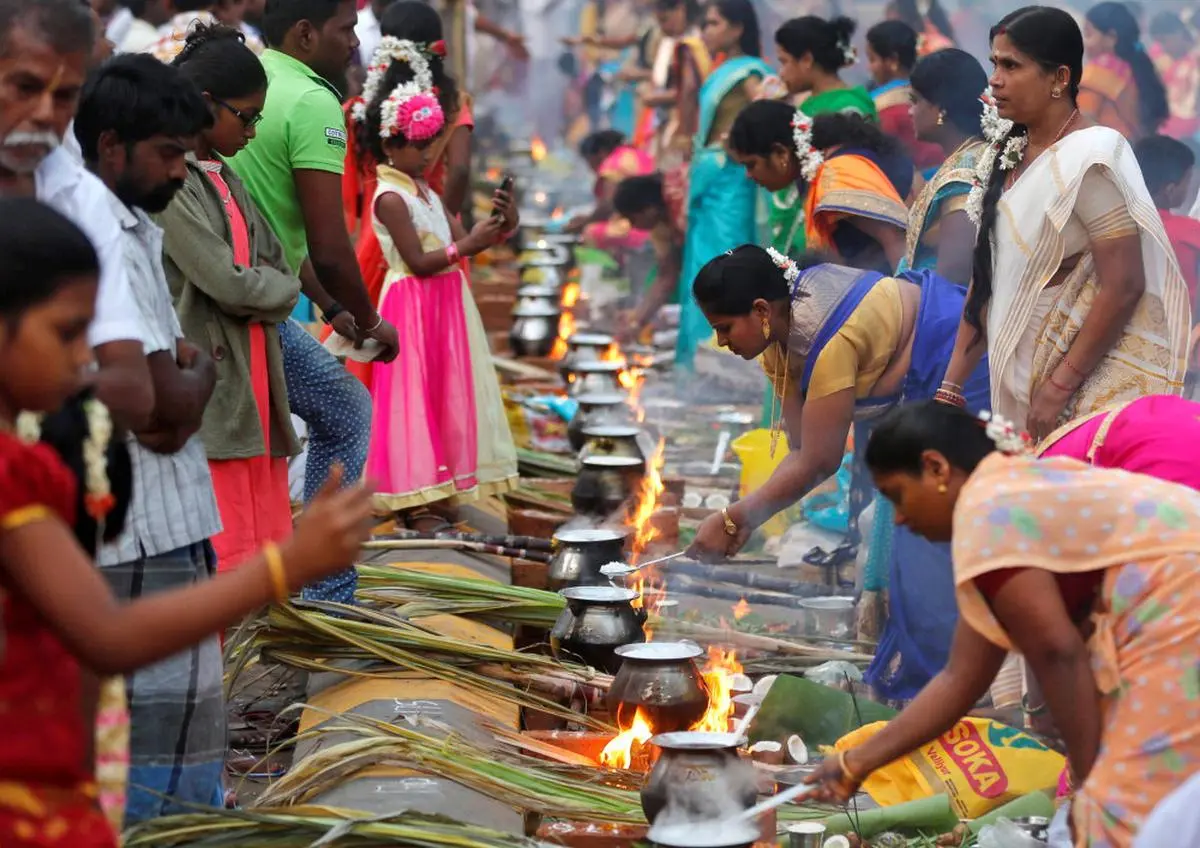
(1009,441)
(1009,154)
(791,272)
(390,50)
(811,160)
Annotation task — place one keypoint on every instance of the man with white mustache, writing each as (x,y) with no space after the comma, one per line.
(45,51)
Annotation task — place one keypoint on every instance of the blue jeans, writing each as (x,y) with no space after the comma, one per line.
(337,409)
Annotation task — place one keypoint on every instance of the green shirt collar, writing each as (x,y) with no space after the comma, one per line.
(279,61)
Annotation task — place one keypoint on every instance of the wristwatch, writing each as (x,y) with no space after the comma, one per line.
(731,528)
(335,309)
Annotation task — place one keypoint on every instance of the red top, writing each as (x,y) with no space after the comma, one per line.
(42,734)
(1078,589)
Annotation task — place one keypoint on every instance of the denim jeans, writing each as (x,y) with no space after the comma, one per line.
(337,409)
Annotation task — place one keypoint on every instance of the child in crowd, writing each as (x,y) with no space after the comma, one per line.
(232,288)
(439,432)
(61,622)
(1168,167)
(891,55)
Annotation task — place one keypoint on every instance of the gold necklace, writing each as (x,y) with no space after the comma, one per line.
(777,399)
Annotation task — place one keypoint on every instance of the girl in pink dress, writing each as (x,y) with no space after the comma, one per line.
(438,432)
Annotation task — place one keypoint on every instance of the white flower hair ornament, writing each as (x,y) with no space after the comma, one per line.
(390,50)
(1008,439)
(810,158)
(791,271)
(1007,153)
(849,53)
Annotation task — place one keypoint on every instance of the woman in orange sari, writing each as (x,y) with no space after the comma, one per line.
(450,155)
(1089,573)
(1120,88)
(856,178)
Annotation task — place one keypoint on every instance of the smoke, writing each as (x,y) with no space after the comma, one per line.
(697,811)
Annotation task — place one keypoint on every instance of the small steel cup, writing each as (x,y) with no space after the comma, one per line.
(806,835)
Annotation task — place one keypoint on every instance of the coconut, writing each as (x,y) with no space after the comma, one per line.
(797,750)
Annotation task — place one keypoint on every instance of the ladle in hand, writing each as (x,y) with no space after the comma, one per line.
(619,569)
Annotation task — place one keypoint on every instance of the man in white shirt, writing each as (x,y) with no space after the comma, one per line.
(47,49)
(137,121)
(367,29)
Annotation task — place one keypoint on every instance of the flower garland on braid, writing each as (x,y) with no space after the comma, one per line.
(390,50)
(1003,148)
(810,158)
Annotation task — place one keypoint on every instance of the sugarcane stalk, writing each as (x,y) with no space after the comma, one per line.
(531,543)
(752,579)
(752,641)
(454,545)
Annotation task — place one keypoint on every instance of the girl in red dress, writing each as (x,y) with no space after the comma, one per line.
(60,621)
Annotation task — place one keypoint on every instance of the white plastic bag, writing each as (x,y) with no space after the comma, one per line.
(1005,834)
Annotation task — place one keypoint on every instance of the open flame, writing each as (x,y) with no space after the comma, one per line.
(619,752)
(570,295)
(537,149)
(566,329)
(740,610)
(718,674)
(646,502)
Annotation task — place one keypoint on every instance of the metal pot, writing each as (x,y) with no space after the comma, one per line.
(832,617)
(595,378)
(595,409)
(700,835)
(616,440)
(534,330)
(596,621)
(578,555)
(605,483)
(692,769)
(543,255)
(544,276)
(537,297)
(663,680)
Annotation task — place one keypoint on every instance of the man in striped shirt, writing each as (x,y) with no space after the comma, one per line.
(136,122)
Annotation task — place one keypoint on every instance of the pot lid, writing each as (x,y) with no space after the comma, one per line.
(612,462)
(601,399)
(660,652)
(537,310)
(588,535)
(599,594)
(537,291)
(589,339)
(612,431)
(695,740)
(706,834)
(598,367)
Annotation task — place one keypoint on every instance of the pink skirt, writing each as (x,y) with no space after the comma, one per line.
(424,439)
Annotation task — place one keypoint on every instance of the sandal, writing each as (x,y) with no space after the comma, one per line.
(424,520)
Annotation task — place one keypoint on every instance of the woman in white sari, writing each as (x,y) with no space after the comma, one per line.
(1076,296)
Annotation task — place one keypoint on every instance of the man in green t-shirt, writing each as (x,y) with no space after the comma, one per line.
(293,170)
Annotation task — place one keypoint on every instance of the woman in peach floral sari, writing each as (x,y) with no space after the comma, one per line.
(1089,573)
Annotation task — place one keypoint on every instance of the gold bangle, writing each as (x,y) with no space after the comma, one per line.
(277,572)
(731,529)
(846,773)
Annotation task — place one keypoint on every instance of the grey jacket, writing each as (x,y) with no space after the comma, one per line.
(217,301)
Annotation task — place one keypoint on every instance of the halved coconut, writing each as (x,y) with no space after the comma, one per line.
(740,683)
(766,746)
(762,687)
(836,841)
(797,750)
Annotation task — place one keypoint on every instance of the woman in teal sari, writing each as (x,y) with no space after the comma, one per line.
(721,199)
(946,91)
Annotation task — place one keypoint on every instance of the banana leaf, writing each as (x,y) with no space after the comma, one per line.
(820,715)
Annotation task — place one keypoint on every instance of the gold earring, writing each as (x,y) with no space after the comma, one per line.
(766,328)
(1056,93)
(941,119)
(942,488)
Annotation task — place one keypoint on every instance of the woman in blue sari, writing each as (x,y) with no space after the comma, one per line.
(842,346)
(946,91)
(721,200)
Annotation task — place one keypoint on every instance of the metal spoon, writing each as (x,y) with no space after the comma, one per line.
(617,569)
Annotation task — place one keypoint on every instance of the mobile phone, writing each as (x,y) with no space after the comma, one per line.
(506,186)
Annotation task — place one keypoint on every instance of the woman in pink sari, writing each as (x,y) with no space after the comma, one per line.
(612,160)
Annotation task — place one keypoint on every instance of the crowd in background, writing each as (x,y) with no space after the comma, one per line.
(975,207)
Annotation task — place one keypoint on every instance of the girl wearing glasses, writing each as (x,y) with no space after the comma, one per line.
(232,288)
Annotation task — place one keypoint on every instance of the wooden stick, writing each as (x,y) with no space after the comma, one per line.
(753,641)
